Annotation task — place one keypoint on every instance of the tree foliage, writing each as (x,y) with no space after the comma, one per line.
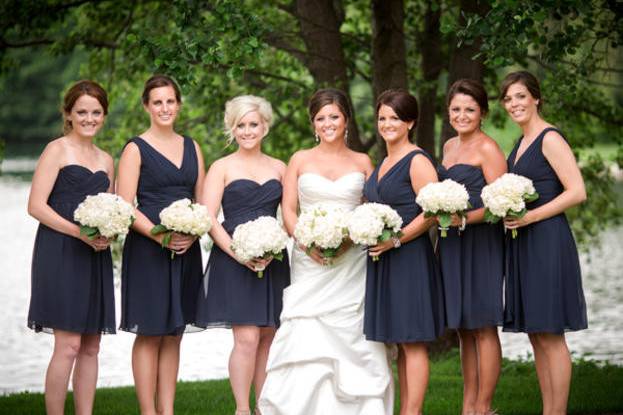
(284,49)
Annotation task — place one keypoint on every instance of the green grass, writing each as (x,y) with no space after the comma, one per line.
(596,389)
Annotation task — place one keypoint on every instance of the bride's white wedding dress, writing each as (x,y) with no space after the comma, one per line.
(320,362)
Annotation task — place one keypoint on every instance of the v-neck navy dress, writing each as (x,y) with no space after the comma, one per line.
(472,261)
(544,283)
(159,294)
(404,295)
(232,294)
(72,285)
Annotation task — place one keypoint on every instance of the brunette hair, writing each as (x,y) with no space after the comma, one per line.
(80,88)
(472,88)
(157,81)
(329,96)
(403,103)
(526,79)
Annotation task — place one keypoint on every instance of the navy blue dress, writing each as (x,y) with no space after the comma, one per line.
(232,294)
(159,294)
(72,285)
(544,283)
(472,261)
(404,297)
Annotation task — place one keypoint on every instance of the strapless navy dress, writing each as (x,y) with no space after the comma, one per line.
(544,283)
(404,294)
(231,294)
(159,294)
(72,285)
(472,261)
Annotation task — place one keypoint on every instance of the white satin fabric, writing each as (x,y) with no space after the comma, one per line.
(320,362)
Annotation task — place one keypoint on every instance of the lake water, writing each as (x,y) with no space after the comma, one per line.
(24,355)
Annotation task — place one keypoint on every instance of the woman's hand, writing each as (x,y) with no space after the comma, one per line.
(99,243)
(514,223)
(457,221)
(378,249)
(258,264)
(180,242)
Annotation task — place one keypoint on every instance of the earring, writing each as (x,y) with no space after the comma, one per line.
(346,136)
(317,138)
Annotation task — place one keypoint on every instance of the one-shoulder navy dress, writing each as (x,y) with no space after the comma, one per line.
(472,261)
(159,294)
(231,294)
(544,283)
(72,285)
(404,294)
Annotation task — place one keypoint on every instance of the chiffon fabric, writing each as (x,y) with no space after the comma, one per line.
(472,261)
(159,293)
(320,362)
(544,283)
(232,294)
(404,295)
(72,285)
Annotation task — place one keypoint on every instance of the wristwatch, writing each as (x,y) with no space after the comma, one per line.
(396,241)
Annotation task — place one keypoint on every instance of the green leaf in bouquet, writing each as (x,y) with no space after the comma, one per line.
(429,214)
(166,239)
(531,197)
(490,217)
(445,220)
(278,256)
(158,229)
(516,215)
(89,231)
(329,252)
(386,235)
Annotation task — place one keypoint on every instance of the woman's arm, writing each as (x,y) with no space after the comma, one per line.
(422,172)
(43,180)
(561,158)
(200,172)
(289,200)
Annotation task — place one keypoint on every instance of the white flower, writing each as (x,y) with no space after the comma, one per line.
(259,238)
(443,197)
(322,226)
(183,216)
(508,194)
(105,214)
(367,223)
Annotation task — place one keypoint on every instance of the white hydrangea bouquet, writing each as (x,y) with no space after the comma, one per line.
(182,216)
(507,197)
(443,199)
(104,214)
(259,239)
(372,223)
(322,226)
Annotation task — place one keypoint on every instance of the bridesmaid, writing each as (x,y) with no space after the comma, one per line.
(247,184)
(404,299)
(72,280)
(544,295)
(158,293)
(472,262)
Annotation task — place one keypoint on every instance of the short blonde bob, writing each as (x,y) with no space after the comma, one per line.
(238,107)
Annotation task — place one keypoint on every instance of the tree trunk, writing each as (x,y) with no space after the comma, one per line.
(320,22)
(389,53)
(462,63)
(430,45)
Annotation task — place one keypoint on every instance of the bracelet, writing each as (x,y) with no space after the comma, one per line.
(463,223)
(396,242)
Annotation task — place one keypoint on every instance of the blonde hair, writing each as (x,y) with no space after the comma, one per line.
(238,107)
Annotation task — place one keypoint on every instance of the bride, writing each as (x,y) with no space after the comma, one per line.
(320,362)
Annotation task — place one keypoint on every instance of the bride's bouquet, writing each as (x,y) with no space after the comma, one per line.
(322,226)
(507,197)
(182,216)
(259,239)
(372,223)
(443,199)
(104,214)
